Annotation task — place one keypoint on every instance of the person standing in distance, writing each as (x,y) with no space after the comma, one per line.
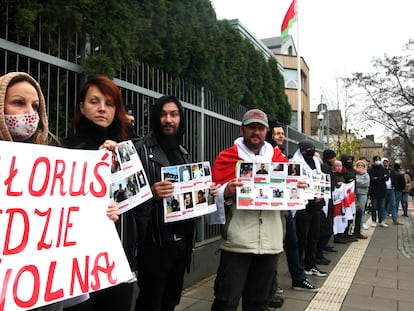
(164,251)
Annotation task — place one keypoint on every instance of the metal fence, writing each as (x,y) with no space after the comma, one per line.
(212,124)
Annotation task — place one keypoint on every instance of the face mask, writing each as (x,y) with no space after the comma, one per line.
(22,126)
(310,153)
(377,162)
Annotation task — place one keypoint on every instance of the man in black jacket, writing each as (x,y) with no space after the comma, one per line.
(398,181)
(378,175)
(165,249)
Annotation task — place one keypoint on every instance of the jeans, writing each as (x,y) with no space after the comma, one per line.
(361,200)
(390,204)
(378,205)
(291,249)
(404,203)
(398,199)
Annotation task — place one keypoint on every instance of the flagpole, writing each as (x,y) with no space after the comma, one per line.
(299,76)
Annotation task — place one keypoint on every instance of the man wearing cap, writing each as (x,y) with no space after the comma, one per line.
(252,239)
(308,219)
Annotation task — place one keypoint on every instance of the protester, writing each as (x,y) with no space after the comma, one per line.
(362,182)
(398,181)
(404,199)
(165,249)
(338,181)
(326,231)
(23,119)
(299,280)
(248,259)
(349,177)
(100,121)
(308,219)
(378,176)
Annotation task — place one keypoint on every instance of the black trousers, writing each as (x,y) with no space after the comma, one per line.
(246,276)
(308,230)
(326,230)
(161,276)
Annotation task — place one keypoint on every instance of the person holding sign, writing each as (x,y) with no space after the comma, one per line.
(23,119)
(308,219)
(100,121)
(165,248)
(248,259)
(276,137)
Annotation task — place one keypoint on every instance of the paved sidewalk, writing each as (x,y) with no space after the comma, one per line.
(373,274)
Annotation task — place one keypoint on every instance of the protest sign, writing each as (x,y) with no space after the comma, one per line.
(56,240)
(191,197)
(273,186)
(129,183)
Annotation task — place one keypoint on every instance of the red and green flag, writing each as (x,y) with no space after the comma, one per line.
(289,19)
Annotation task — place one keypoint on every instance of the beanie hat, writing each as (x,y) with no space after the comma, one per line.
(328,154)
(255,116)
(305,144)
(42,130)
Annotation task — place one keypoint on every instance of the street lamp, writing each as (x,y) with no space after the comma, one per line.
(321,116)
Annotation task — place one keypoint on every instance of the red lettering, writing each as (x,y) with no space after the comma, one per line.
(99,179)
(58,175)
(69,224)
(4,289)
(83,282)
(25,234)
(81,190)
(63,226)
(36,288)
(106,269)
(42,190)
(49,296)
(42,244)
(8,182)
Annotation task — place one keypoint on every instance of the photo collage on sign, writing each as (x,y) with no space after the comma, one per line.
(129,183)
(191,196)
(273,186)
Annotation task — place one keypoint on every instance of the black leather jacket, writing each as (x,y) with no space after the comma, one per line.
(150,215)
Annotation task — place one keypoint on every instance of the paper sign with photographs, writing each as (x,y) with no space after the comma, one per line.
(191,196)
(129,183)
(270,186)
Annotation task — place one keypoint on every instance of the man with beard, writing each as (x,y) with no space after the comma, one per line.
(164,250)
(252,239)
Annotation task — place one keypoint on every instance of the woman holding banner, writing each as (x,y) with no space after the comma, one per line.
(100,120)
(23,119)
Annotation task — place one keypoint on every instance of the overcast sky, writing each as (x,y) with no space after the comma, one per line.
(336,37)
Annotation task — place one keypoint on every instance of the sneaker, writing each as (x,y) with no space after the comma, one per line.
(315,271)
(279,290)
(364,227)
(304,285)
(374,224)
(383,224)
(398,222)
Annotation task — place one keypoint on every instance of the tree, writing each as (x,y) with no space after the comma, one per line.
(180,37)
(387,96)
